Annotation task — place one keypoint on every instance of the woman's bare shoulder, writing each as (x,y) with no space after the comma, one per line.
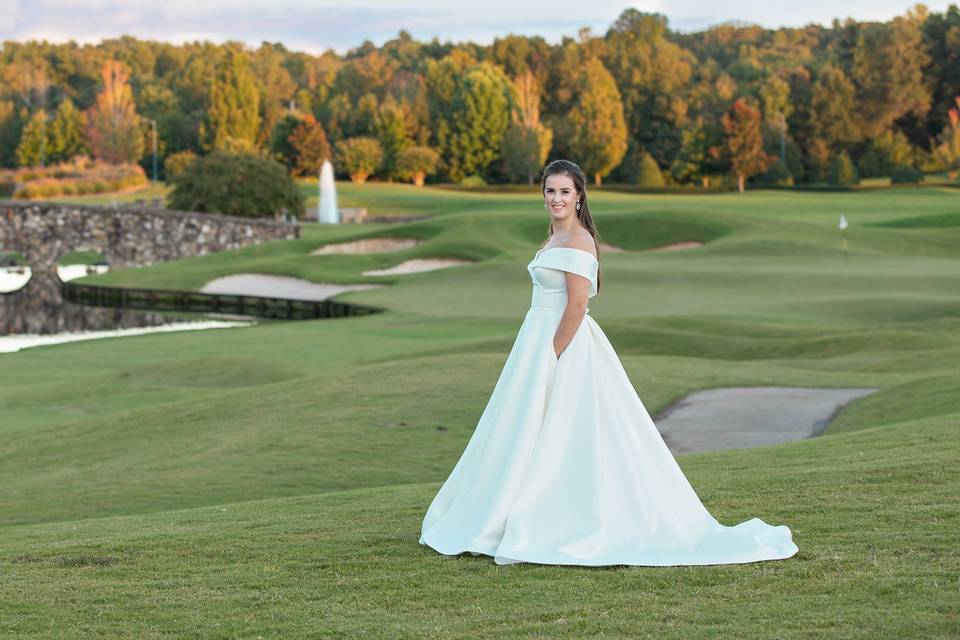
(583,241)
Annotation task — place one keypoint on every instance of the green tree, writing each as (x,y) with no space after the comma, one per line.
(595,125)
(275,85)
(524,151)
(842,171)
(233,117)
(66,133)
(700,151)
(775,93)
(835,109)
(527,141)
(651,73)
(883,153)
(941,37)
(744,142)
(416,163)
(359,157)
(390,127)
(280,145)
(236,184)
(113,126)
(474,125)
(34,142)
(11,130)
(310,147)
(887,67)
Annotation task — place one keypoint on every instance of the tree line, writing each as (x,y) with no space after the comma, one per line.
(639,104)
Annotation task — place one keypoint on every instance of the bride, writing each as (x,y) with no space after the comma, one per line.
(565,465)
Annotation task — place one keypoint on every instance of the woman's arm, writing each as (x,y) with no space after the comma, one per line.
(578,293)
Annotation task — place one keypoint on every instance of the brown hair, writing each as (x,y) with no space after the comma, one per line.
(567,168)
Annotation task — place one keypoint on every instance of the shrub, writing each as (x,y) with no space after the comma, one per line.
(905,174)
(176,163)
(236,184)
(842,171)
(648,172)
(359,157)
(68,178)
(473,181)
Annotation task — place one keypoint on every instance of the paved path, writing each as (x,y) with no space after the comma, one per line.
(738,417)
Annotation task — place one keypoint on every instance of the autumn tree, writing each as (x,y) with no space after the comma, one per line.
(280,145)
(310,147)
(416,163)
(595,124)
(835,110)
(948,149)
(527,140)
(744,142)
(651,72)
(941,39)
(359,157)
(113,126)
(887,67)
(233,117)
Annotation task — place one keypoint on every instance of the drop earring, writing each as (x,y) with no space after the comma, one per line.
(578,206)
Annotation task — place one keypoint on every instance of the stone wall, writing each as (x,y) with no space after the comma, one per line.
(127,237)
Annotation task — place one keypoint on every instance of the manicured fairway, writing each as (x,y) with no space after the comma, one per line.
(270,481)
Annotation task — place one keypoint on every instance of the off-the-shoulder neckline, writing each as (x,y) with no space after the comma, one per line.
(569,249)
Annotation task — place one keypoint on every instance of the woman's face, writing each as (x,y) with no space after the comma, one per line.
(561,196)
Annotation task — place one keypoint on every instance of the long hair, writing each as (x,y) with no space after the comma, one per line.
(567,168)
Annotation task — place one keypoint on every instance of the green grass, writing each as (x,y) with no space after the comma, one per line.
(270,481)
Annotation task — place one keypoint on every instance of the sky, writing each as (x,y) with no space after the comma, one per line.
(317,25)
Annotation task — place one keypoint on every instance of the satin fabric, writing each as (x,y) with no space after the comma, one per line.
(565,465)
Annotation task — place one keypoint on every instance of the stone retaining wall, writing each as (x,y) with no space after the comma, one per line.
(127,237)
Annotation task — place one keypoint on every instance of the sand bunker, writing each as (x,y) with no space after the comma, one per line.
(367,245)
(739,417)
(14,278)
(258,284)
(608,248)
(417,265)
(688,244)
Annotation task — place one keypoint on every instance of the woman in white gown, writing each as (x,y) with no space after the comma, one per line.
(565,465)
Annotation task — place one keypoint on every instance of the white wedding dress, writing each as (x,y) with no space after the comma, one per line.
(565,465)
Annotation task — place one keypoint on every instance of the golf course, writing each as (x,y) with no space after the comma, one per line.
(269,481)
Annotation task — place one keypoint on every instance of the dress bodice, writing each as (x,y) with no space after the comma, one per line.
(546,273)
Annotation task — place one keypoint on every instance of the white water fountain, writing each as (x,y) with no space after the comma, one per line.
(327,210)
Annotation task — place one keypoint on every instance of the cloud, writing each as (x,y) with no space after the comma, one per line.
(316,25)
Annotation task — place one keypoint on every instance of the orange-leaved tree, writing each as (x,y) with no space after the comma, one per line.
(744,141)
(113,126)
